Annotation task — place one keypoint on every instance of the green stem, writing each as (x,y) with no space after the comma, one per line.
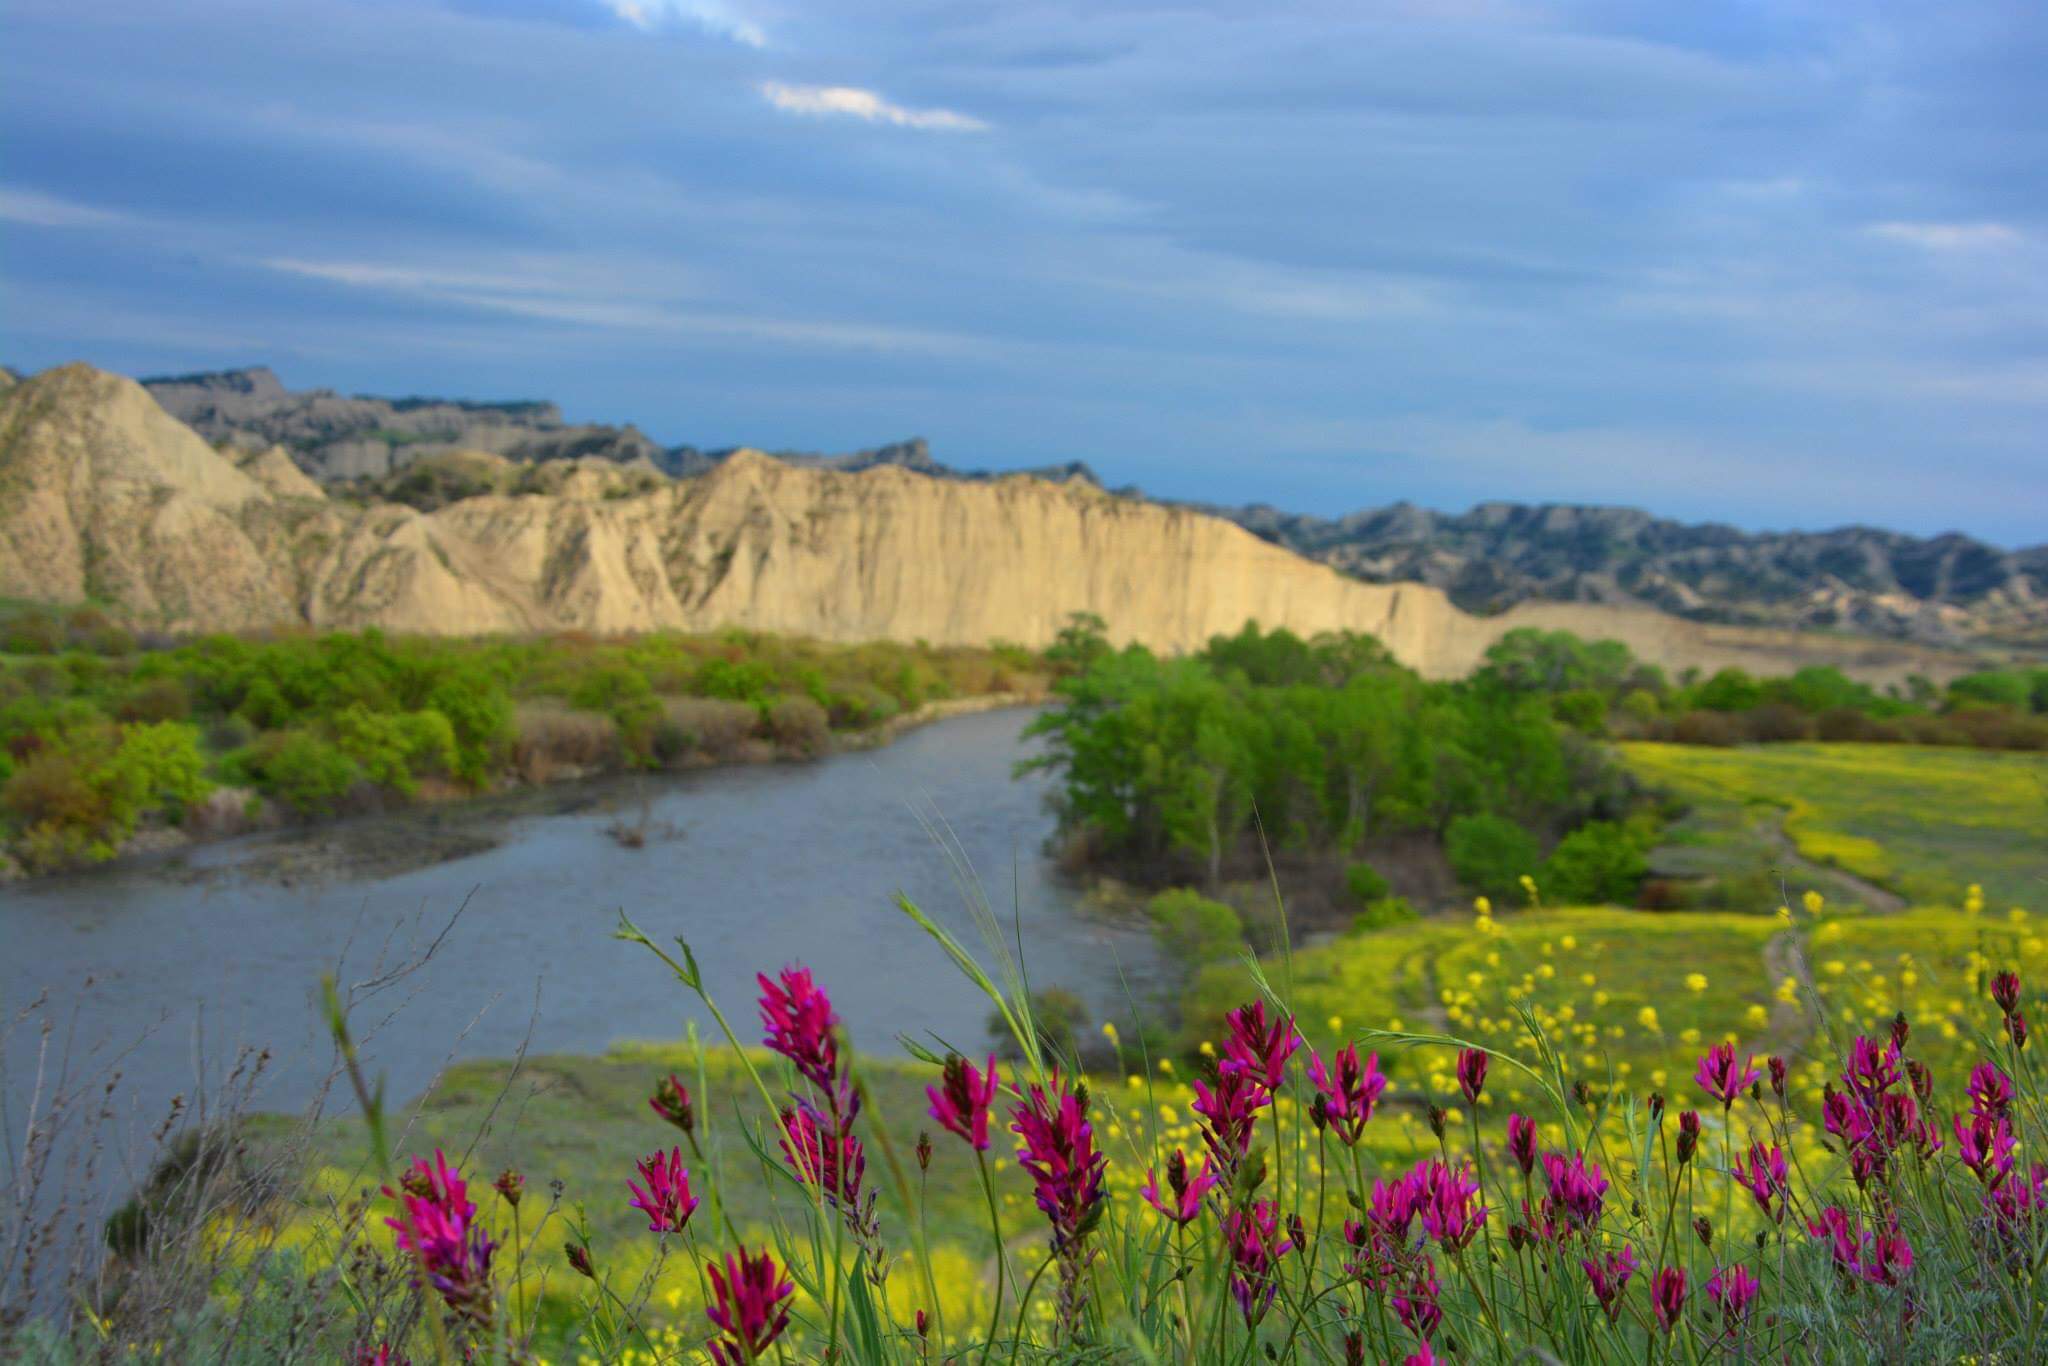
(995,1228)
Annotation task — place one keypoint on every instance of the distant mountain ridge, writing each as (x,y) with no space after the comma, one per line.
(1945,590)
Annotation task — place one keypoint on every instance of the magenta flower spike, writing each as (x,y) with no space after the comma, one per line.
(1256,1245)
(802,1027)
(1879,1255)
(1229,1113)
(1667,1296)
(1735,1291)
(1984,1144)
(1351,1091)
(1260,1045)
(1059,1154)
(438,1225)
(834,1162)
(1578,1191)
(961,1101)
(1990,1090)
(1609,1277)
(1721,1077)
(1419,1302)
(1472,1073)
(671,1100)
(1763,1175)
(1522,1142)
(1447,1198)
(748,1307)
(1181,1201)
(2005,990)
(666,1198)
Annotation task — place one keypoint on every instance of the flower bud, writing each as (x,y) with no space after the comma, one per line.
(1436,1120)
(671,1100)
(1777,1069)
(1705,1229)
(1688,1135)
(1656,1107)
(510,1185)
(924,1151)
(579,1259)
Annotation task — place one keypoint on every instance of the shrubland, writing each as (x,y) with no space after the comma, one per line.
(102,730)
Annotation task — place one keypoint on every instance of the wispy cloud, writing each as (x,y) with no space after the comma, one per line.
(578,296)
(847,101)
(708,15)
(48,211)
(1948,236)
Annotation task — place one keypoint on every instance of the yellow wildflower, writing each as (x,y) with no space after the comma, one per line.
(1695,981)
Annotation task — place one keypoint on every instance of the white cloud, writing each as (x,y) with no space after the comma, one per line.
(846,101)
(705,14)
(1948,236)
(48,211)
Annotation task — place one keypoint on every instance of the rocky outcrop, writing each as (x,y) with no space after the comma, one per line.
(104,494)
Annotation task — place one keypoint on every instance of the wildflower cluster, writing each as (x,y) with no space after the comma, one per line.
(1742,1216)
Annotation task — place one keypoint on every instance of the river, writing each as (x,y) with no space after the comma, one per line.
(172,964)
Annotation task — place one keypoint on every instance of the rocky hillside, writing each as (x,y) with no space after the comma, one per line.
(1945,589)
(103,494)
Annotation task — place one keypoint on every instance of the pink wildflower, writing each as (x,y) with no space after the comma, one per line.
(1447,1200)
(748,1307)
(1609,1277)
(1419,1303)
(437,1223)
(1577,1190)
(1255,1243)
(1522,1142)
(1667,1296)
(1260,1046)
(671,1100)
(1734,1290)
(1472,1073)
(1059,1154)
(960,1102)
(1185,1188)
(802,1027)
(1880,1255)
(834,1162)
(1764,1176)
(2005,989)
(1990,1090)
(1230,1112)
(666,1199)
(1721,1077)
(1350,1091)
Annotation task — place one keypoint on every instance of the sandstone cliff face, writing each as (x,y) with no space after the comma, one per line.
(104,494)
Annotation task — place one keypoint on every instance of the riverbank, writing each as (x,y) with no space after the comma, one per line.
(434,814)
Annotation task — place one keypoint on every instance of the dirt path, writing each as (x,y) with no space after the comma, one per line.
(1874,897)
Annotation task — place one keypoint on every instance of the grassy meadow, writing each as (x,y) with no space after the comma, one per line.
(1922,822)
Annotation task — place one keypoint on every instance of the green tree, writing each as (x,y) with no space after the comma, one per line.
(1491,854)
(1597,863)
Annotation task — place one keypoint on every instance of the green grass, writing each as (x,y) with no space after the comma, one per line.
(1924,822)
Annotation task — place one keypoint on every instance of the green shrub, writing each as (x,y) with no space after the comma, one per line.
(309,774)
(799,726)
(1490,854)
(1192,930)
(1384,914)
(1365,884)
(1597,863)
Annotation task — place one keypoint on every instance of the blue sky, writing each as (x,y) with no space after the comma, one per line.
(1780,263)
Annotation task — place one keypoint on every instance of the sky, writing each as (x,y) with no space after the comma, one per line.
(1781,263)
